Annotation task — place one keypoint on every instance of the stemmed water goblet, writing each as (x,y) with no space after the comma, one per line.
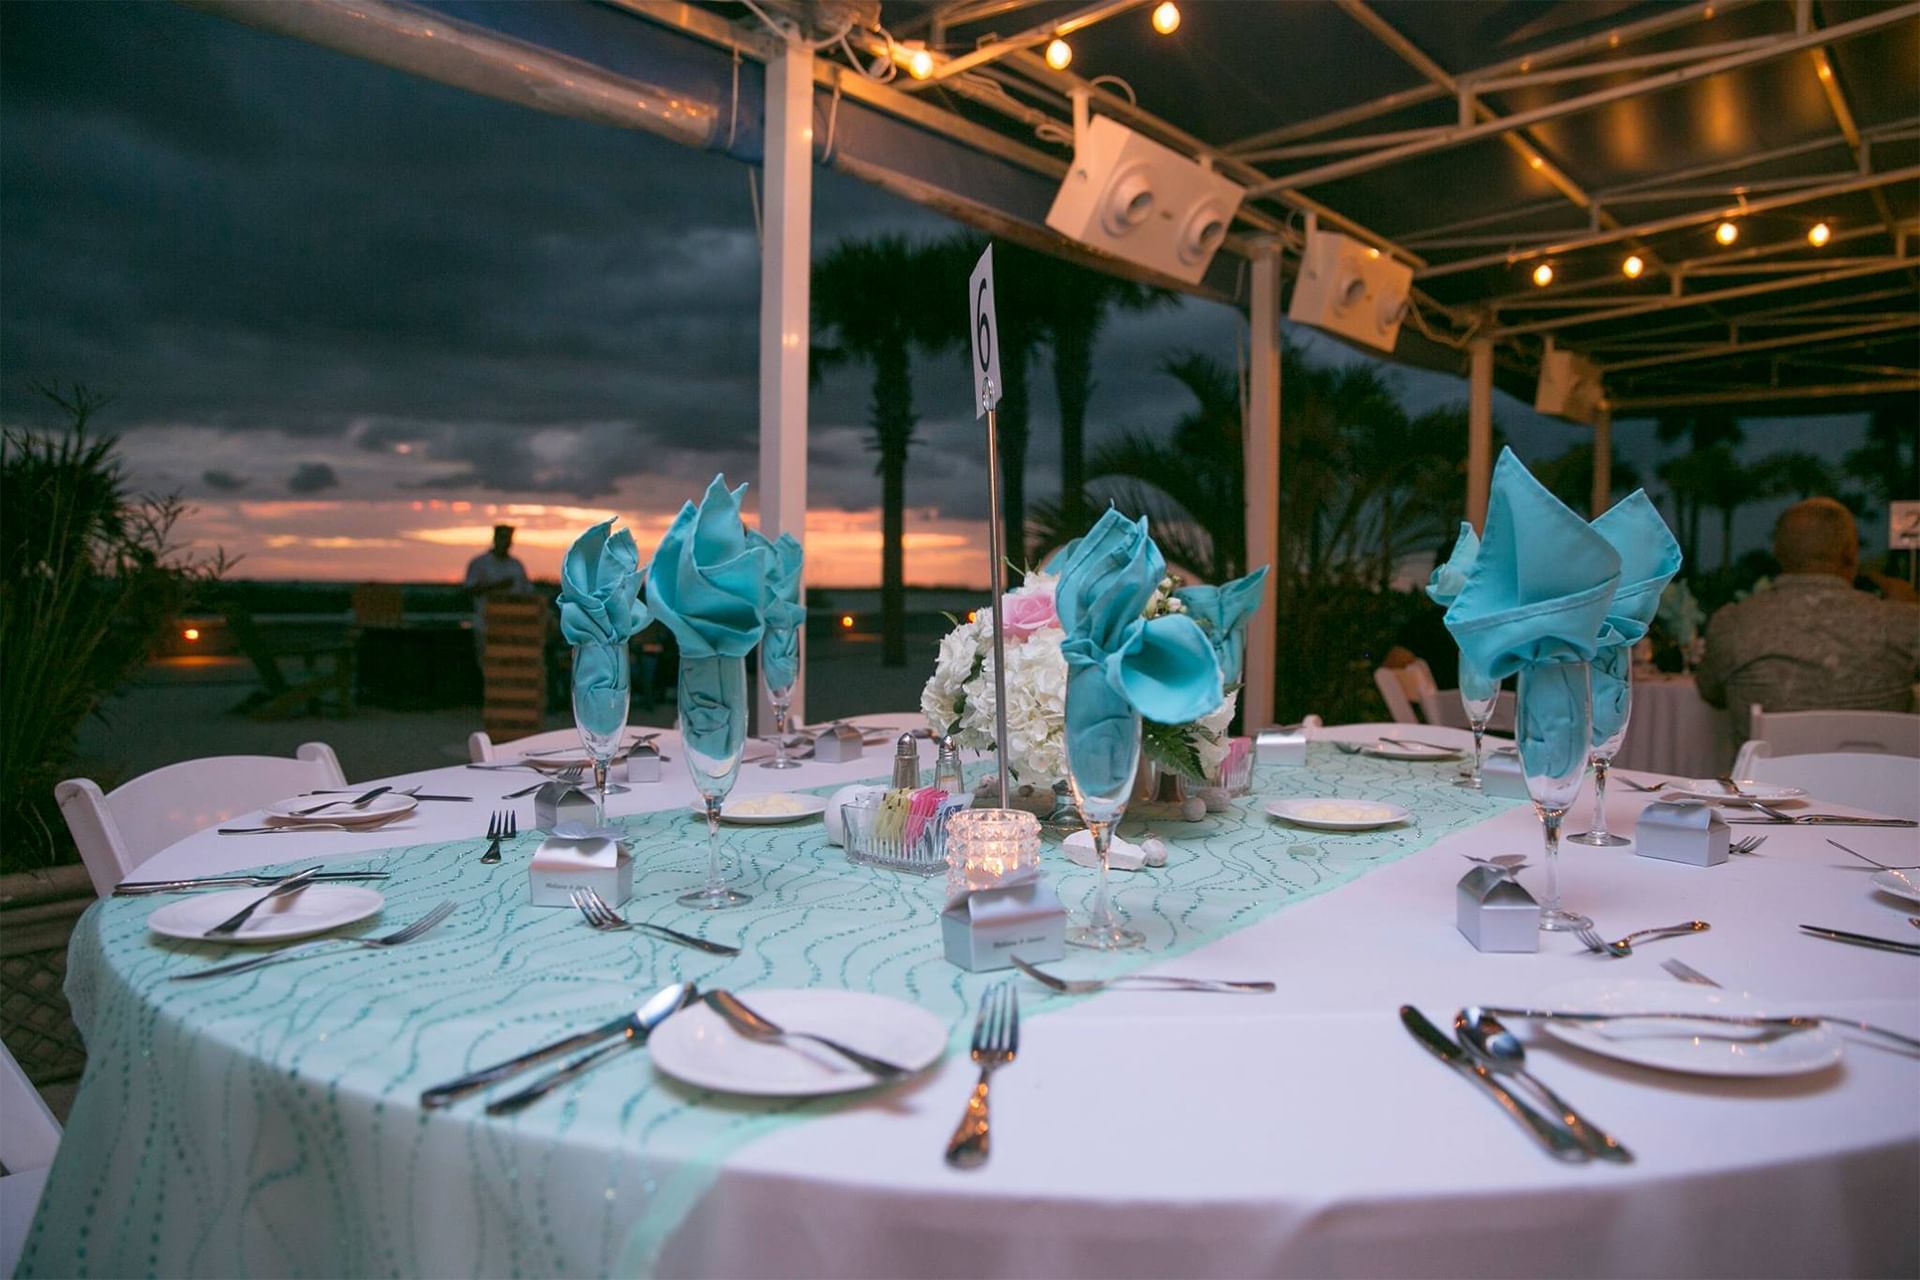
(782,703)
(1553,721)
(602,695)
(1612,685)
(712,697)
(1478,697)
(1101,768)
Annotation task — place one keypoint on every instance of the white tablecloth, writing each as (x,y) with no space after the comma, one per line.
(1304,1133)
(1673,732)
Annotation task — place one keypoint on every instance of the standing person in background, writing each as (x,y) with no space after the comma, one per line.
(493,573)
(1811,642)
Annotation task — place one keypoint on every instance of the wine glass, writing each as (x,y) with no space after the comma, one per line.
(782,701)
(1479,695)
(1101,766)
(1553,721)
(601,695)
(713,728)
(1612,685)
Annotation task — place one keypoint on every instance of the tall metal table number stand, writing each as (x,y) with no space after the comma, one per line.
(986,377)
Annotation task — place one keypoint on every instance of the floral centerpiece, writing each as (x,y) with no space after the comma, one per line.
(959,698)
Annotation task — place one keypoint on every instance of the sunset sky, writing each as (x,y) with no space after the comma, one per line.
(356,318)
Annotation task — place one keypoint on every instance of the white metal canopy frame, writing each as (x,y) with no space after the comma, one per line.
(1714,203)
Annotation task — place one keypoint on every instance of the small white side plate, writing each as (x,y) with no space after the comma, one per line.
(1708,789)
(1671,1044)
(315,909)
(1331,813)
(769,810)
(1426,751)
(380,809)
(1900,885)
(696,1047)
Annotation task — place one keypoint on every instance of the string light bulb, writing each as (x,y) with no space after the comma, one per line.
(1727,232)
(1633,266)
(1059,54)
(1543,275)
(1166,17)
(1819,234)
(919,63)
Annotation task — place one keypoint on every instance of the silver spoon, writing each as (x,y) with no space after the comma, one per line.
(1488,1042)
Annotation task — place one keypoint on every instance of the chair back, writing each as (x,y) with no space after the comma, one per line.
(1878,783)
(1799,733)
(1403,688)
(118,830)
(1442,707)
(482,749)
(514,666)
(378,604)
(30,1135)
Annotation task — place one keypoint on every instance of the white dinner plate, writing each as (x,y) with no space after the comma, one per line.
(1671,1044)
(770,809)
(380,809)
(1709,789)
(696,1047)
(1899,884)
(1422,751)
(1331,813)
(315,909)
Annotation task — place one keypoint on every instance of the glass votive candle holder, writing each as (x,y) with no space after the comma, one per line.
(986,846)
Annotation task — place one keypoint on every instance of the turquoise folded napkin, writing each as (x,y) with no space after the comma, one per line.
(706,583)
(600,609)
(1443,587)
(1118,663)
(782,610)
(1222,613)
(1537,595)
(1649,557)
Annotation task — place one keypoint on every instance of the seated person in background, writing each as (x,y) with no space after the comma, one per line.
(1811,642)
(492,573)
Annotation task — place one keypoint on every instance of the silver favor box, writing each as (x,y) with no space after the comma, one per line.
(1280,746)
(836,744)
(643,763)
(988,927)
(1682,831)
(557,802)
(1496,913)
(555,872)
(1501,775)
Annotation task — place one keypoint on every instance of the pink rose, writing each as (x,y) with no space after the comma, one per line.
(1028,610)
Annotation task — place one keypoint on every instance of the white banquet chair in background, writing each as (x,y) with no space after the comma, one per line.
(1887,784)
(1442,706)
(29,1135)
(1404,687)
(482,749)
(1799,733)
(118,830)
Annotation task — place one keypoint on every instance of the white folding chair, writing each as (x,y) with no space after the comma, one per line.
(1799,733)
(482,749)
(1442,706)
(29,1136)
(1884,784)
(1403,687)
(119,830)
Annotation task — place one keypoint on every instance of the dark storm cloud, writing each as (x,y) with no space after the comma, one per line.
(312,477)
(223,481)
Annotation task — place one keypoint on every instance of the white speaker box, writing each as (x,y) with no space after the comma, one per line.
(1570,387)
(1351,289)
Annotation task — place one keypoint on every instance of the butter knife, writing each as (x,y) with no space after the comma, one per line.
(1558,1142)
(1862,940)
(292,884)
(140,888)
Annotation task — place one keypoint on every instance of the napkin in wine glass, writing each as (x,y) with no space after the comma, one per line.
(1649,557)
(1222,612)
(1443,587)
(782,609)
(600,609)
(1119,663)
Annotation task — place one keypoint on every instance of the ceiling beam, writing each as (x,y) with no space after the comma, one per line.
(1726,350)
(1779,47)
(945,69)
(1751,395)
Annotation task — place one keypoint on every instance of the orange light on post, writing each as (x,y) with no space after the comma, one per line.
(846,622)
(1727,232)
(190,634)
(972,614)
(1543,275)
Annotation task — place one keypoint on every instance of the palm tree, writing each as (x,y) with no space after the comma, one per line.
(1569,476)
(1690,476)
(858,302)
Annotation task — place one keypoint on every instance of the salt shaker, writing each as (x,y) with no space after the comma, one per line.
(906,764)
(947,774)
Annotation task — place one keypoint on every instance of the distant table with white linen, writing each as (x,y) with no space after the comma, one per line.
(274,1128)
(1673,733)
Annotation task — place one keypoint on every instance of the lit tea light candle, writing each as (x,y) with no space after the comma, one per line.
(986,847)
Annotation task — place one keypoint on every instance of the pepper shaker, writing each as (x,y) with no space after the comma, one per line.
(947,774)
(906,764)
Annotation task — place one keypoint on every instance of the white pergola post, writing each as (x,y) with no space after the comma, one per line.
(1602,460)
(785,269)
(1261,451)
(1479,430)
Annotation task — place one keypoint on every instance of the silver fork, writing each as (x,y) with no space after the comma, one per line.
(572,773)
(502,826)
(1637,786)
(399,937)
(590,904)
(1870,861)
(1747,844)
(996,1038)
(1592,940)
(1687,973)
(1143,982)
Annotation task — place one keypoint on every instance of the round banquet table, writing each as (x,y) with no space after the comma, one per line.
(1136,1133)
(1672,732)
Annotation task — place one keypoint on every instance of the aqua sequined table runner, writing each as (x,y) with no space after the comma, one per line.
(268,1123)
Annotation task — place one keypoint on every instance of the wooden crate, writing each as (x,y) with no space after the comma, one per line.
(514,667)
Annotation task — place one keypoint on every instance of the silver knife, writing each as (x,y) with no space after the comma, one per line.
(140,888)
(1862,940)
(360,801)
(441,1095)
(292,884)
(650,1015)
(1559,1143)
